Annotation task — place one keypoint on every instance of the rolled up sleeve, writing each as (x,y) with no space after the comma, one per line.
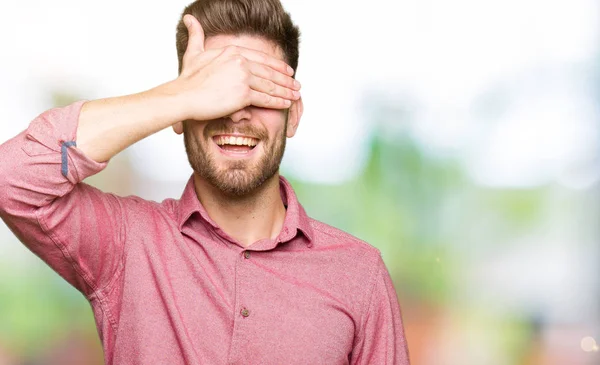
(76,229)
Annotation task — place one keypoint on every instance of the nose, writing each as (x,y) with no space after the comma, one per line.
(240,115)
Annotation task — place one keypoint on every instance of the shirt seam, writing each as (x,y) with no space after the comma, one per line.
(118,271)
(318,226)
(64,251)
(78,270)
(370,297)
(235,319)
(103,294)
(374,273)
(115,275)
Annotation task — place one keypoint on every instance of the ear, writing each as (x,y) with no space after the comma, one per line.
(294,115)
(178,127)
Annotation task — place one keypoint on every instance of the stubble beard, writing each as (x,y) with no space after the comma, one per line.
(235,178)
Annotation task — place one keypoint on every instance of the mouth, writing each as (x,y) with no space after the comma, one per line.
(235,145)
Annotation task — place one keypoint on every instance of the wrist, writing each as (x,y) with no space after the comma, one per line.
(173,100)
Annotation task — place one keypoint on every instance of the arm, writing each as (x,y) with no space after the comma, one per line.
(380,338)
(212,84)
(78,230)
(58,219)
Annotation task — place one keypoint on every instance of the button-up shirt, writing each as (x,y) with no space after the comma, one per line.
(168,286)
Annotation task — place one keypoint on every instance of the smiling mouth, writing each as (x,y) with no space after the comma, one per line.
(235,144)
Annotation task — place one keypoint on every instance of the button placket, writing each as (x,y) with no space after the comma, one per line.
(244,311)
(243,301)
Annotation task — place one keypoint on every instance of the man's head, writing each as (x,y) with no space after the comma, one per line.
(262,25)
(257,18)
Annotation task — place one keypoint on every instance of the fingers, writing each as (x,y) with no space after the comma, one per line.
(277,77)
(265,59)
(267,101)
(268,87)
(271,87)
(195,34)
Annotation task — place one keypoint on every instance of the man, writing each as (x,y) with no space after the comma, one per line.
(234,272)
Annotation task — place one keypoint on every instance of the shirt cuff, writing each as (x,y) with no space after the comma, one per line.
(56,130)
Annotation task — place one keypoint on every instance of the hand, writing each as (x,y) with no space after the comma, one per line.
(219,82)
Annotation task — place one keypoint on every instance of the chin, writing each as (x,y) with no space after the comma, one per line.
(237,183)
(236,176)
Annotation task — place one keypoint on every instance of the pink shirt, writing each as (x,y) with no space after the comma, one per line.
(168,286)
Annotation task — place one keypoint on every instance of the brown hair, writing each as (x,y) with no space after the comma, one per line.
(263,18)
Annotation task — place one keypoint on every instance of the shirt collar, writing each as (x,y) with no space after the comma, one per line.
(295,220)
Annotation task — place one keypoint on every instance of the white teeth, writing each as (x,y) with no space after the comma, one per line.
(237,141)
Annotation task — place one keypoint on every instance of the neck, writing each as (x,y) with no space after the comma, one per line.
(246,219)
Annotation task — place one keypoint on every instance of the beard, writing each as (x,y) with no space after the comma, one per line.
(234,178)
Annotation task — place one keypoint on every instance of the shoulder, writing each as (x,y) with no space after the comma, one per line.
(348,265)
(329,236)
(349,251)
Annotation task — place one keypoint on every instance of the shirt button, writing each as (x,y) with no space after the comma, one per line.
(247,254)
(245,312)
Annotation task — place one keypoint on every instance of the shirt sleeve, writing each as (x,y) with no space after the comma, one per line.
(76,229)
(380,338)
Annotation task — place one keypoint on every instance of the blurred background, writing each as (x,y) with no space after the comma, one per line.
(461,138)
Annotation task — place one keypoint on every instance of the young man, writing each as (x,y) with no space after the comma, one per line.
(234,272)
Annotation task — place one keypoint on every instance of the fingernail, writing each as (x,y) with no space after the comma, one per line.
(290,70)
(287,102)
(186,21)
(296,84)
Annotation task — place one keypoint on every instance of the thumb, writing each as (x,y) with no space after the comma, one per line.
(195,34)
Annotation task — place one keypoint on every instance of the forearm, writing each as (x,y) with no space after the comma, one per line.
(63,146)
(108,126)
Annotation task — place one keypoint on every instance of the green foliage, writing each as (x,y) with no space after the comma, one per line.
(37,308)
(418,210)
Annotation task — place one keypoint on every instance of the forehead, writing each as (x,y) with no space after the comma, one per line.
(246,41)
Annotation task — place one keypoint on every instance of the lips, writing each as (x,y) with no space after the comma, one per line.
(235,145)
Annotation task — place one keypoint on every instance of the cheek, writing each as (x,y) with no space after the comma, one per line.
(275,123)
(276,134)
(195,129)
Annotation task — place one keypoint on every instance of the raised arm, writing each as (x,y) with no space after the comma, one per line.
(77,229)
(212,84)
